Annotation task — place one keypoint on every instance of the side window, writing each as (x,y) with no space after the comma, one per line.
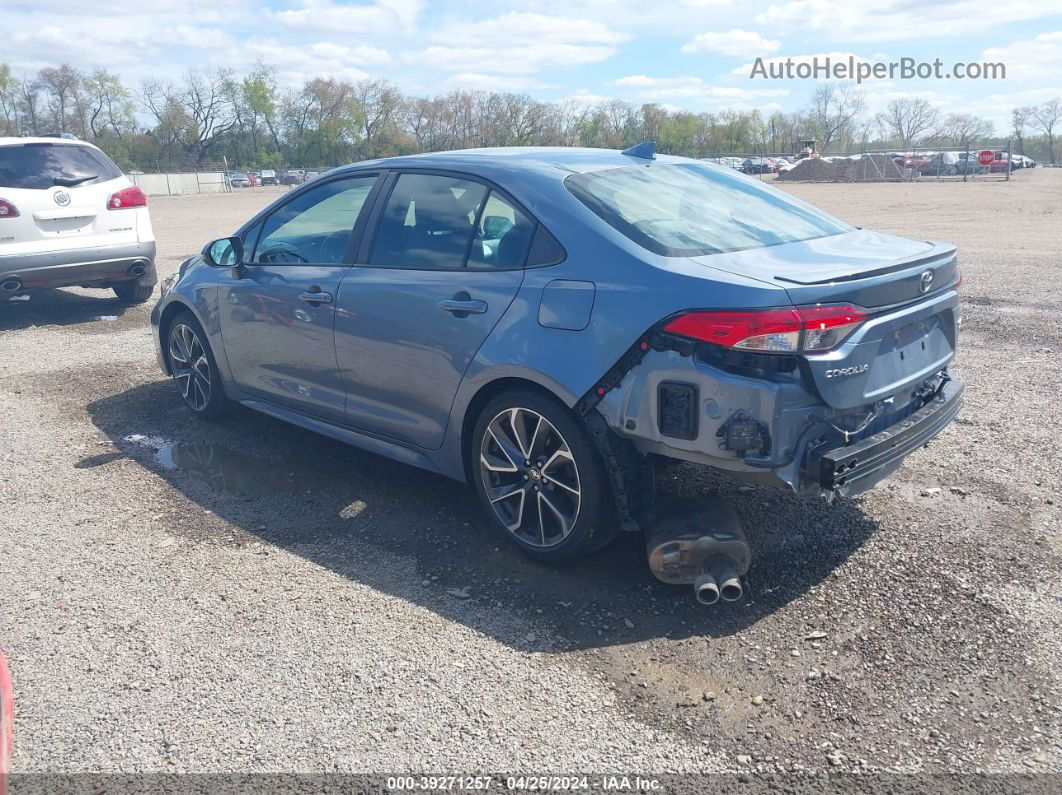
(502,236)
(428,222)
(316,226)
(250,238)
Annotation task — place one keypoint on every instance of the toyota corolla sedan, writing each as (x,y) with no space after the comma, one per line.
(545,324)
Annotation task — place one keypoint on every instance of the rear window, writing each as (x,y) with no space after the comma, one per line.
(685,210)
(43,166)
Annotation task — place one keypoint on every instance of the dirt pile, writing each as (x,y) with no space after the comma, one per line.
(870,168)
(811,169)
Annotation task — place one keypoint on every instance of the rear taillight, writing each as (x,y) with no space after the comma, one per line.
(127,198)
(7,209)
(807,330)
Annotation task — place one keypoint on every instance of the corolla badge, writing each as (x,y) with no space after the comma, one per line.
(926,282)
(843,371)
(62,198)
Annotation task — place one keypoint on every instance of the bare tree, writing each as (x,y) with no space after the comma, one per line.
(62,84)
(8,101)
(1019,120)
(909,120)
(834,109)
(962,129)
(110,105)
(29,106)
(1047,117)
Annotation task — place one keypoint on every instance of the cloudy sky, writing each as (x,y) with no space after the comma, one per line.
(694,54)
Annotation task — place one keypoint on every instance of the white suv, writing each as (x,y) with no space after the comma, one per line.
(69,217)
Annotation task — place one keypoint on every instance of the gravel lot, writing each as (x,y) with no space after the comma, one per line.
(245,596)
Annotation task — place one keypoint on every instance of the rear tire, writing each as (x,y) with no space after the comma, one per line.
(133,292)
(540,478)
(193,367)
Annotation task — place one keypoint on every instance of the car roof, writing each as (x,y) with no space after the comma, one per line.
(563,159)
(16,141)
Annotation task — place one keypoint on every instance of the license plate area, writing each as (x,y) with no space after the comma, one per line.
(907,351)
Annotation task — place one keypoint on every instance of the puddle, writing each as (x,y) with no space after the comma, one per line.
(219,467)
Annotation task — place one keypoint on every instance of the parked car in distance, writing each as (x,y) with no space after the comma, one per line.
(269,177)
(1000,164)
(969,164)
(757,165)
(238,179)
(69,217)
(942,164)
(514,318)
(291,177)
(310,175)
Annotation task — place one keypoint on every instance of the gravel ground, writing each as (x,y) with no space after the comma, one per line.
(245,596)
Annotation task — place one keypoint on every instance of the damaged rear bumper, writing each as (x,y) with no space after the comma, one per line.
(771,429)
(855,467)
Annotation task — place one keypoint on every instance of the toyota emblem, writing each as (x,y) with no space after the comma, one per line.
(62,198)
(926,282)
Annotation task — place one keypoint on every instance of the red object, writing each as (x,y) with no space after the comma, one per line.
(986,157)
(772,330)
(7,719)
(7,209)
(127,198)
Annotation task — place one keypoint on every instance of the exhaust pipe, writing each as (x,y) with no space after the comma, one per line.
(700,542)
(706,589)
(10,285)
(137,270)
(730,589)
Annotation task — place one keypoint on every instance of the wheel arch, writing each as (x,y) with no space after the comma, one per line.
(486,393)
(169,312)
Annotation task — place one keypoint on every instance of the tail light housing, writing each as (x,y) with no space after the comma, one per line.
(790,330)
(7,209)
(127,198)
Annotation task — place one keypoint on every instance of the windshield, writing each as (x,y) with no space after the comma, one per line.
(42,166)
(685,210)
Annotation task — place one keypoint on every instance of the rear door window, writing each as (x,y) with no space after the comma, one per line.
(428,222)
(503,236)
(39,166)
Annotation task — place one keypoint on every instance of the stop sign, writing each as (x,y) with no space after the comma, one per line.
(986,157)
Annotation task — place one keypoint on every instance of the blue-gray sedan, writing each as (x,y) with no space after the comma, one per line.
(547,324)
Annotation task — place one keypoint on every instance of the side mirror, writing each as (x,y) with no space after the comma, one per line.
(225,252)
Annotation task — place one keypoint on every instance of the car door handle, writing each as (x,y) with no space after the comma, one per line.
(316,297)
(468,306)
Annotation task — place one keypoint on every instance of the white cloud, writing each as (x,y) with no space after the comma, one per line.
(296,64)
(745,70)
(484,82)
(518,43)
(1036,58)
(902,20)
(373,19)
(693,90)
(737,42)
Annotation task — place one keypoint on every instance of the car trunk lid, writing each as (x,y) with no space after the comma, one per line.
(907,289)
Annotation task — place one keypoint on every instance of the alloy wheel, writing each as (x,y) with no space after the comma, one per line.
(190,366)
(530,477)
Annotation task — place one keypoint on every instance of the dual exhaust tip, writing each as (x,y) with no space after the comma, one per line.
(721,582)
(13,285)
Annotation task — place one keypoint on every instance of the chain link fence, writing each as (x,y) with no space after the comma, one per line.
(985,162)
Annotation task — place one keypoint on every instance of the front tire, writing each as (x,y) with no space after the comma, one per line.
(193,367)
(133,292)
(540,478)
